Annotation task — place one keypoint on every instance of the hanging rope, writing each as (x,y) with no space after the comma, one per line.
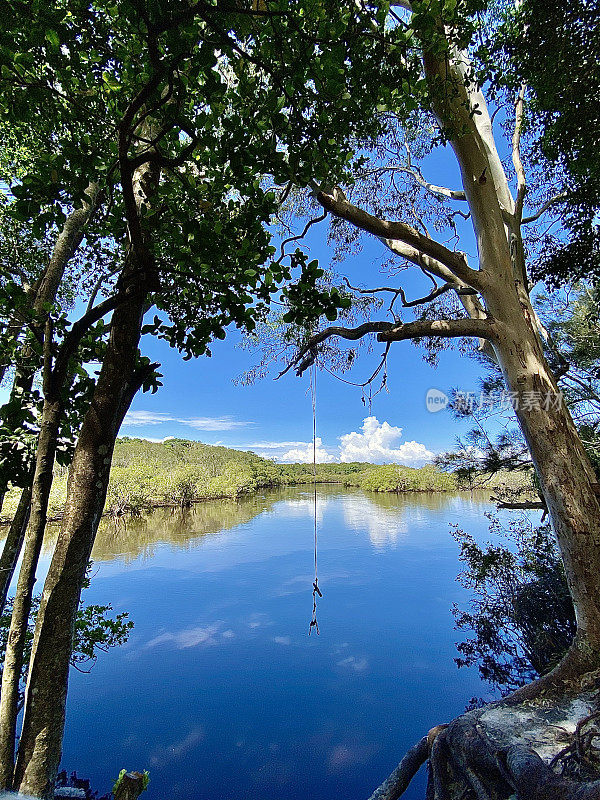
(316,591)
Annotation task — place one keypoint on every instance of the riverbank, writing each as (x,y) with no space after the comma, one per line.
(178,472)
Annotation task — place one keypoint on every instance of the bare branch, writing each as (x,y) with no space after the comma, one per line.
(399,292)
(98,285)
(541,211)
(309,224)
(393,332)
(432,188)
(471,303)
(337,204)
(516,155)
(333,330)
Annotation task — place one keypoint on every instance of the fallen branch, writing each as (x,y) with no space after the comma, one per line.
(523,506)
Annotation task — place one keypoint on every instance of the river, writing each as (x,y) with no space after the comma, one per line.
(220,693)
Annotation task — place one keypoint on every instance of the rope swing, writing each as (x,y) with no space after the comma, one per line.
(316,591)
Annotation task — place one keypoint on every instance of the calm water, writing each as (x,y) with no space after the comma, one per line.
(221,694)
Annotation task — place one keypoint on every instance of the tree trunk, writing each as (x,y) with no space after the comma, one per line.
(13,544)
(566,477)
(561,463)
(130,786)
(40,745)
(41,738)
(43,295)
(13,660)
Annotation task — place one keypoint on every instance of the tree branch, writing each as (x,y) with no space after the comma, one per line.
(309,224)
(516,155)
(397,783)
(432,188)
(336,203)
(445,328)
(471,303)
(333,330)
(516,506)
(548,204)
(80,328)
(394,332)
(399,292)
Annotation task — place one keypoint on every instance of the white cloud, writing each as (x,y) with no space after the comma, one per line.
(304,453)
(163,755)
(375,444)
(224,423)
(214,423)
(189,637)
(385,527)
(355,663)
(145,418)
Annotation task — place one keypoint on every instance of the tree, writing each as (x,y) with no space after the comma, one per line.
(201,107)
(493,305)
(521,616)
(505,318)
(180,115)
(554,51)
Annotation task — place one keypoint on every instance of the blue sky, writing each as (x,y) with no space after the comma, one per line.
(274,417)
(199,399)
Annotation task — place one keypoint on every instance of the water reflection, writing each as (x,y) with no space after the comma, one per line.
(129,538)
(385,518)
(231,697)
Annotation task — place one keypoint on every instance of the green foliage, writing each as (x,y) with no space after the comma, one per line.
(491,462)
(553,49)
(147,474)
(119,781)
(397,478)
(96,630)
(297,474)
(241,104)
(178,471)
(521,614)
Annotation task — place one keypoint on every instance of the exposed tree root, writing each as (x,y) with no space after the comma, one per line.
(538,744)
